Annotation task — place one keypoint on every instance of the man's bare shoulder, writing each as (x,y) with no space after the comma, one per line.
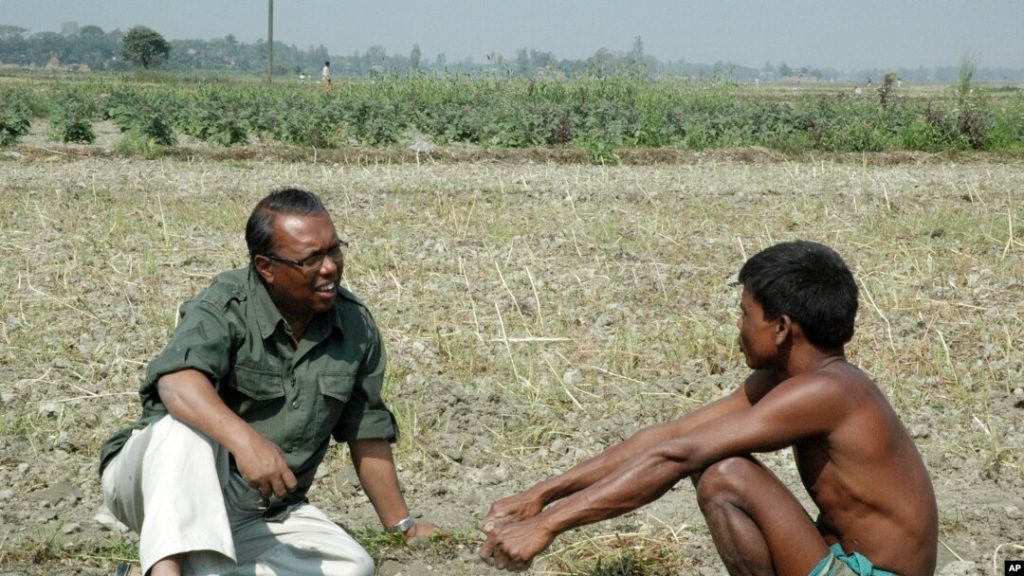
(818,401)
(839,378)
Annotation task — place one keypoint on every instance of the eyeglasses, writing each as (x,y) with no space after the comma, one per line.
(312,262)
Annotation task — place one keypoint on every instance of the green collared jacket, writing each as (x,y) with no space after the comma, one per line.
(298,396)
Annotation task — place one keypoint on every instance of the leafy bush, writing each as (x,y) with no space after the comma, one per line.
(15,118)
(214,117)
(71,118)
(135,143)
(145,115)
(376,123)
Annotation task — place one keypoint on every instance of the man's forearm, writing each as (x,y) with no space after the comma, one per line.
(637,482)
(190,397)
(375,467)
(601,466)
(608,463)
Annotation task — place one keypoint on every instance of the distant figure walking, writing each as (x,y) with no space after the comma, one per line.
(325,75)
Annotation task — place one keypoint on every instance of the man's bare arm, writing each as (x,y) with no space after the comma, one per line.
(375,467)
(785,414)
(190,397)
(584,475)
(800,408)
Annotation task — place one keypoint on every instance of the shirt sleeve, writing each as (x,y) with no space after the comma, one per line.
(201,341)
(365,414)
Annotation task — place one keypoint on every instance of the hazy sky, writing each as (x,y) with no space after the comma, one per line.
(848,35)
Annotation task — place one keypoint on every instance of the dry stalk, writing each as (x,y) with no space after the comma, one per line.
(995,555)
(536,296)
(949,357)
(888,325)
(523,339)
(743,249)
(508,349)
(1010,241)
(472,303)
(510,294)
(565,387)
(610,373)
(469,217)
(94,396)
(950,550)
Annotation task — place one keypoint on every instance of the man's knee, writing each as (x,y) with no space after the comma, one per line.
(363,565)
(727,480)
(354,563)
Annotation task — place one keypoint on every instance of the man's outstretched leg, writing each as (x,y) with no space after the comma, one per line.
(758,526)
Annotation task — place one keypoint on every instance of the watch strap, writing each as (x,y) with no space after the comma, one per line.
(403,525)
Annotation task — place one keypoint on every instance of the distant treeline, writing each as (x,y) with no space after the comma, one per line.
(90,48)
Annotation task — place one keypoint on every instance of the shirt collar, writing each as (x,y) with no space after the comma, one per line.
(268,317)
(266,313)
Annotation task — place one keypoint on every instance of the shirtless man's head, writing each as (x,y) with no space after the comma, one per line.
(810,283)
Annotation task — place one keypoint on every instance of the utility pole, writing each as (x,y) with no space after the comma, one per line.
(270,42)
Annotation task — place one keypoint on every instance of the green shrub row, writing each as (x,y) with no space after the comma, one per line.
(597,115)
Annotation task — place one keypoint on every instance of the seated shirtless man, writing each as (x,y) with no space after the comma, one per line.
(876,506)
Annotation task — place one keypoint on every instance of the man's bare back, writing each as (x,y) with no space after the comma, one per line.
(868,480)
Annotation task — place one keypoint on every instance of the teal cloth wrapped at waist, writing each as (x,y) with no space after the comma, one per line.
(839,562)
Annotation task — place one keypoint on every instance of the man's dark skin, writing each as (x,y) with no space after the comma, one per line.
(855,458)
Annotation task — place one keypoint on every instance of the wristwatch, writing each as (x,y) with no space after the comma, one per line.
(403,526)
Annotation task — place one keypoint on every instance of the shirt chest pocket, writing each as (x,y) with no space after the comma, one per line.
(258,384)
(337,385)
(336,390)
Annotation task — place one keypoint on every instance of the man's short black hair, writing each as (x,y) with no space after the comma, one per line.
(259,230)
(810,283)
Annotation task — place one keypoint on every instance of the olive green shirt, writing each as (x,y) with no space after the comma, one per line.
(297,395)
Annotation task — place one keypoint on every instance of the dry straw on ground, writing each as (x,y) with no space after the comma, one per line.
(535,313)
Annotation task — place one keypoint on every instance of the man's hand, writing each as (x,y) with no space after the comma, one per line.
(262,464)
(191,398)
(512,508)
(513,545)
(423,530)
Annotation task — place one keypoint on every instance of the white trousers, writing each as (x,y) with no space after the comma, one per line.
(171,484)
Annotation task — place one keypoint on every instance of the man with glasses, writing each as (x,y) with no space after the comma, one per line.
(264,367)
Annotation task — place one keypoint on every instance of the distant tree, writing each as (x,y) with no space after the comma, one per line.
(539,60)
(637,53)
(602,60)
(8,31)
(522,66)
(91,31)
(145,46)
(414,57)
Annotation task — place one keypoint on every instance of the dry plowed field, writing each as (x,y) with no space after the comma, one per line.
(535,312)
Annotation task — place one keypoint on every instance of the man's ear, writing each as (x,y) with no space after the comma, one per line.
(264,269)
(784,328)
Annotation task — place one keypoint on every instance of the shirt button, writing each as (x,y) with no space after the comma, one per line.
(295,405)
